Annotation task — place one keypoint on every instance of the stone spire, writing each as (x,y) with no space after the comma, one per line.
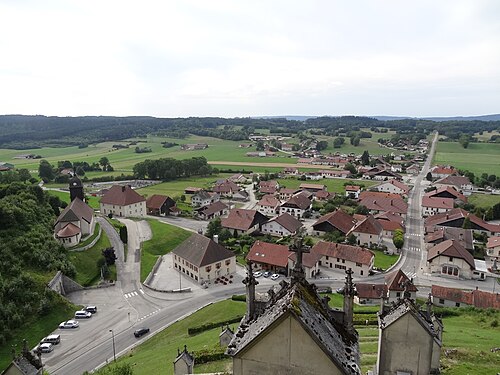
(428,304)
(250,283)
(349,293)
(299,248)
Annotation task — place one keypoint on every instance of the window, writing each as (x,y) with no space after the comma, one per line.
(361,272)
(451,259)
(457,304)
(343,260)
(327,257)
(217,265)
(208,268)
(398,294)
(228,262)
(441,301)
(359,265)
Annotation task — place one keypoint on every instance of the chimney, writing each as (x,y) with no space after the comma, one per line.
(216,238)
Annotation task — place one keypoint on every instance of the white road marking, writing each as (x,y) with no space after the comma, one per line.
(131,294)
(148,315)
(142,291)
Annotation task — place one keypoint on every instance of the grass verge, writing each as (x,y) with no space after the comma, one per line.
(165,238)
(384,261)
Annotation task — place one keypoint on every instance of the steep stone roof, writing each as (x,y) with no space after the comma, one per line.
(351,253)
(451,248)
(121,196)
(302,303)
(201,251)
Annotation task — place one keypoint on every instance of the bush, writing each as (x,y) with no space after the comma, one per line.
(494,323)
(239,297)
(209,355)
(208,326)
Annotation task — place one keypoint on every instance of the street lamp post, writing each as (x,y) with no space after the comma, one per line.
(113,338)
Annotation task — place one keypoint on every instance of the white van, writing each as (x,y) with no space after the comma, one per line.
(46,347)
(52,339)
(82,315)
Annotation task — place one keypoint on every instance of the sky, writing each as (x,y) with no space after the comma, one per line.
(250,58)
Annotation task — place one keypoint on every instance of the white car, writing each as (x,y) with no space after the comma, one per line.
(69,324)
(257,274)
(46,347)
(275,276)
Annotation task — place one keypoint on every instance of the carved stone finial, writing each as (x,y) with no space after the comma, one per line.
(299,248)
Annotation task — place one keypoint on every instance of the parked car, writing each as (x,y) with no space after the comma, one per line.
(51,339)
(266,274)
(91,309)
(46,347)
(257,274)
(141,332)
(275,276)
(69,324)
(82,314)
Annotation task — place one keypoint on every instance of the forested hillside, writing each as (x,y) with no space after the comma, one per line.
(27,132)
(29,255)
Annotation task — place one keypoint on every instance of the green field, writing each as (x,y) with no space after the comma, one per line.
(165,238)
(63,196)
(384,261)
(333,184)
(87,269)
(478,157)
(484,200)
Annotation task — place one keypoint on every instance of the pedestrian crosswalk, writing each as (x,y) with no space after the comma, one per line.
(414,248)
(131,294)
(414,234)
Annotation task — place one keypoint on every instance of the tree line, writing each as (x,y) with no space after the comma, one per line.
(168,169)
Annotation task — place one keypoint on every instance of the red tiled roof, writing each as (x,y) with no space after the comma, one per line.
(372,291)
(385,204)
(446,203)
(476,298)
(121,196)
(352,188)
(368,225)
(309,260)
(397,184)
(212,208)
(201,251)
(226,186)
(298,200)
(390,216)
(449,189)
(351,253)
(312,186)
(270,183)
(156,201)
(378,194)
(396,281)
(338,219)
(454,180)
(269,253)
(493,242)
(288,191)
(241,219)
(288,222)
(389,226)
(269,201)
(438,169)
(322,194)
(75,211)
(69,230)
(451,248)
(458,213)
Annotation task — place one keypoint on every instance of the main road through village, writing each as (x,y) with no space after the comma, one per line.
(129,305)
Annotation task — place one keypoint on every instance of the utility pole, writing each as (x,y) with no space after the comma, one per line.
(113,338)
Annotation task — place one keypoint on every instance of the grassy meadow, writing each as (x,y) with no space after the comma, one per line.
(93,202)
(477,158)
(165,238)
(333,184)
(484,200)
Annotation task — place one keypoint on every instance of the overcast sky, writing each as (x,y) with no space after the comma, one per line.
(250,58)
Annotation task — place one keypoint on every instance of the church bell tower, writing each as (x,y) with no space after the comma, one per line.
(76,188)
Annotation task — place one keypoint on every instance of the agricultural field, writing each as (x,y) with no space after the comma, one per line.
(333,184)
(484,200)
(485,137)
(477,158)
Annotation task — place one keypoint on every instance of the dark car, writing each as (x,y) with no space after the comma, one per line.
(141,331)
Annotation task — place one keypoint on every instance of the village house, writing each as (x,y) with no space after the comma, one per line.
(368,232)
(313,188)
(123,201)
(332,173)
(459,183)
(238,178)
(449,258)
(441,171)
(447,192)
(290,171)
(312,175)
(352,191)
(492,256)
(432,206)
(241,221)
(310,263)
(296,206)
(378,205)
(203,259)
(436,235)
(268,205)
(334,221)
(74,222)
(383,175)
(323,195)
(410,340)
(452,297)
(268,187)
(204,198)
(226,188)
(282,225)
(212,211)
(396,283)
(285,194)
(390,222)
(241,196)
(160,205)
(397,168)
(342,257)
(456,218)
(274,337)
(413,170)
(393,186)
(269,257)
(192,190)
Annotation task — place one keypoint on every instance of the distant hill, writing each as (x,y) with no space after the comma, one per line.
(495,117)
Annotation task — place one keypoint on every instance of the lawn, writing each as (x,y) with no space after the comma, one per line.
(157,354)
(165,238)
(384,261)
(93,202)
(37,328)
(478,157)
(333,184)
(484,200)
(87,270)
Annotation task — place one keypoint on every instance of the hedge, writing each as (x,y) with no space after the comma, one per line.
(206,327)
(239,297)
(210,355)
